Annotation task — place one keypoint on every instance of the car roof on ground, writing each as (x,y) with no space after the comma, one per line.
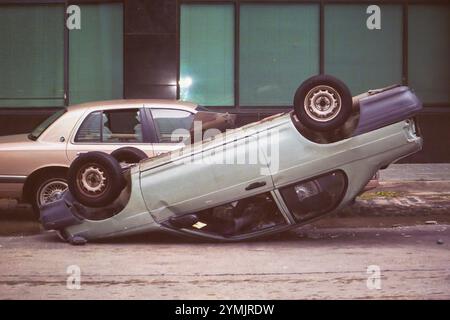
(130,102)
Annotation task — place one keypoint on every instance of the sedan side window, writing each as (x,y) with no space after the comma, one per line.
(112,126)
(90,130)
(119,126)
(248,215)
(169,120)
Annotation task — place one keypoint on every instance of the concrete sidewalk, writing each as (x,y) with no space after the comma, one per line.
(415,191)
(416,172)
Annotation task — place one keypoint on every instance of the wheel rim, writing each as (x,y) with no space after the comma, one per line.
(322,103)
(92,180)
(51,191)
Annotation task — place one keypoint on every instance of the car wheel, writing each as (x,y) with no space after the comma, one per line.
(95,179)
(323,103)
(47,189)
(129,155)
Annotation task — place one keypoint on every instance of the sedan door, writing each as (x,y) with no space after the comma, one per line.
(110,129)
(216,172)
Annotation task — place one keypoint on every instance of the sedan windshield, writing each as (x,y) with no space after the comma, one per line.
(36,133)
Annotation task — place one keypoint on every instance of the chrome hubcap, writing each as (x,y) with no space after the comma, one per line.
(51,191)
(322,103)
(92,180)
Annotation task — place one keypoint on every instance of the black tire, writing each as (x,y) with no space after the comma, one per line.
(47,188)
(323,103)
(95,179)
(129,155)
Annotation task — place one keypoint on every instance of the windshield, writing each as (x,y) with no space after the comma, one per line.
(45,124)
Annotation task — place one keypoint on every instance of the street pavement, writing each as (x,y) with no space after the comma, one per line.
(392,243)
(311,263)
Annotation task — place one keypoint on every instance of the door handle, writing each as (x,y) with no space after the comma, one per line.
(255,185)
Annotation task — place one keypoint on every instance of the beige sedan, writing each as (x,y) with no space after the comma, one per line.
(33,166)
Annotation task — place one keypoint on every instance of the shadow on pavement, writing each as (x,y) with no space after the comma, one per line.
(20,221)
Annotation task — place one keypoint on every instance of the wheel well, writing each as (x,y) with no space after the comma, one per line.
(35,176)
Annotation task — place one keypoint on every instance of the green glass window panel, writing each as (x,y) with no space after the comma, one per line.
(96,54)
(364,59)
(279,48)
(207,54)
(31,55)
(429,52)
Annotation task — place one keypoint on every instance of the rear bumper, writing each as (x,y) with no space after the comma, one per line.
(386,106)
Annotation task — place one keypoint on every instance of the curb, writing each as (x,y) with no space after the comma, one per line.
(403,198)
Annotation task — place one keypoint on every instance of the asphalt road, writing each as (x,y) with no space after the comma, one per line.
(311,263)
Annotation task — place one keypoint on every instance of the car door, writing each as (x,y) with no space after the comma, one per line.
(109,129)
(223,169)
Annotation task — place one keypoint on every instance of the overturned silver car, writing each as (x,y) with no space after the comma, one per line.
(266,177)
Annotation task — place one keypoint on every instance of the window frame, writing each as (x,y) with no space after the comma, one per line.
(18,3)
(67,46)
(248,4)
(260,110)
(435,105)
(401,46)
(145,122)
(155,127)
(220,3)
(66,4)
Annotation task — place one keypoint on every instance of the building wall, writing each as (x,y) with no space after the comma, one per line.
(150,36)
(162,42)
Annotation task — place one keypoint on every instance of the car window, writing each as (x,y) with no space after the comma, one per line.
(236,218)
(89,130)
(122,126)
(111,126)
(169,120)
